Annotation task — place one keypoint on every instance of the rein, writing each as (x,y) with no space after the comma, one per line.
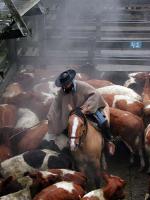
(79,113)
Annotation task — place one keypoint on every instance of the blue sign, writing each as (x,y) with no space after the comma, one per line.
(136,44)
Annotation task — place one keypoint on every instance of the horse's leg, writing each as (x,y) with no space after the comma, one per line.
(131,152)
(131,158)
(89,169)
(97,173)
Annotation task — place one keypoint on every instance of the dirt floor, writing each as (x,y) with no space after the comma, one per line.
(137,182)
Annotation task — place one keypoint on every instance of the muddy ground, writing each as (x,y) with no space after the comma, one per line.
(137,182)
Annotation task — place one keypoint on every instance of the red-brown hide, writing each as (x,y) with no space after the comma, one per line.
(11,90)
(113,189)
(32,137)
(146,96)
(69,175)
(134,106)
(61,191)
(7,115)
(127,125)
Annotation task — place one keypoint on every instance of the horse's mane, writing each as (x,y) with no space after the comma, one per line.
(77,111)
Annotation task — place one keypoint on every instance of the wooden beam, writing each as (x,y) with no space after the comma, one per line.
(25,7)
(18,19)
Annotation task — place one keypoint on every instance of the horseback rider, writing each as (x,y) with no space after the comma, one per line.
(77,94)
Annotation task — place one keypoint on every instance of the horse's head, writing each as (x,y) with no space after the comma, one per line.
(77,128)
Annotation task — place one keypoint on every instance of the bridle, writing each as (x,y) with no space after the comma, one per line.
(77,111)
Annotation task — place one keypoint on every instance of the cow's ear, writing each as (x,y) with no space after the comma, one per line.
(70,107)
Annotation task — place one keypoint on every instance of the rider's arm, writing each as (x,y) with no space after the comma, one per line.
(93,100)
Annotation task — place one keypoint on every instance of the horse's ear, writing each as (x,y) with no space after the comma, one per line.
(70,107)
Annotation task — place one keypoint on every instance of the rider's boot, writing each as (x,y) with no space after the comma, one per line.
(104,126)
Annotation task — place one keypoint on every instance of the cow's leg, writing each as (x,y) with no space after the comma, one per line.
(131,158)
(104,163)
(131,152)
(142,161)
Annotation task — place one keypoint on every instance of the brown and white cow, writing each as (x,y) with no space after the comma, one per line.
(113,189)
(130,128)
(61,191)
(136,81)
(42,179)
(124,102)
(34,160)
(46,87)
(119,90)
(68,175)
(26,79)
(37,102)
(31,138)
(11,90)
(146,96)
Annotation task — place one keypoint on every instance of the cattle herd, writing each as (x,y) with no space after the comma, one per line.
(32,167)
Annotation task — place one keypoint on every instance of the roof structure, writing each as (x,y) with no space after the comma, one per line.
(12,12)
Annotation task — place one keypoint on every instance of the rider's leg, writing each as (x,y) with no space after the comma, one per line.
(104,126)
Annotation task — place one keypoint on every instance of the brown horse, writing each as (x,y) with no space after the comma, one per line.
(86,145)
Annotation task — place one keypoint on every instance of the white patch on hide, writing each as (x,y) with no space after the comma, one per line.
(27,118)
(16,166)
(129,82)
(96,193)
(45,174)
(119,90)
(128,99)
(67,171)
(65,185)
